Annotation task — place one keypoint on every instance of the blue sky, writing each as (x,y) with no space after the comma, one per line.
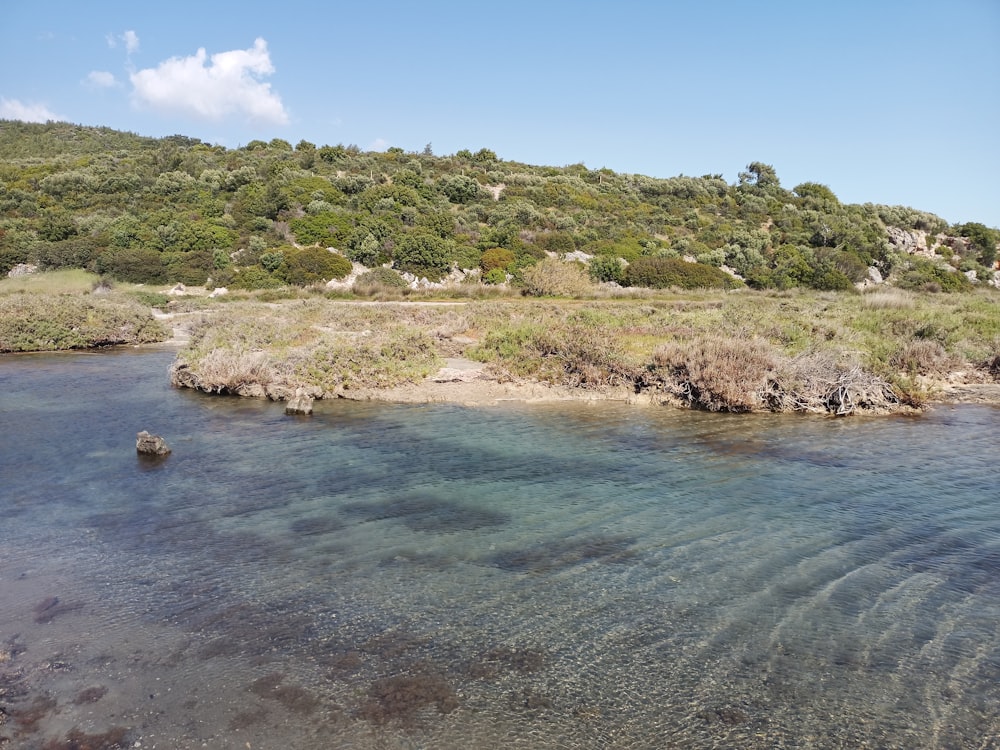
(894,102)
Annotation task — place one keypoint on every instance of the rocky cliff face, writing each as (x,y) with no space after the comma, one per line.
(910,241)
(948,250)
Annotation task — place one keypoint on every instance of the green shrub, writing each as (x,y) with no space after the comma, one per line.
(661,273)
(137,265)
(324,228)
(465,255)
(460,188)
(313,264)
(604,268)
(10,257)
(424,254)
(630,249)
(380,276)
(192,268)
(38,322)
(255,277)
(556,242)
(831,280)
(495,276)
(271,261)
(983,239)
(497,258)
(75,252)
(926,275)
(144,296)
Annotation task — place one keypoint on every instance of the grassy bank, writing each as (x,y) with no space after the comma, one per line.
(325,347)
(736,351)
(71,310)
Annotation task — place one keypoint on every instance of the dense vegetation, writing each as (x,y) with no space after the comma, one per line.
(70,310)
(178,210)
(260,219)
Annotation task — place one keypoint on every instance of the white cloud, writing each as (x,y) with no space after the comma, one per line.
(228,85)
(14,109)
(379,144)
(101,79)
(131,40)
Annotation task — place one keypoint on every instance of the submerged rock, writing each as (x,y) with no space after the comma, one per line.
(151,445)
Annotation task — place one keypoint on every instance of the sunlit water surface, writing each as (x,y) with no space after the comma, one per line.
(559,576)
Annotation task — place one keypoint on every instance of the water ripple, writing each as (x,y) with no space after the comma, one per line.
(553,576)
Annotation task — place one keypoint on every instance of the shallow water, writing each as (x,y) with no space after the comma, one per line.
(560,576)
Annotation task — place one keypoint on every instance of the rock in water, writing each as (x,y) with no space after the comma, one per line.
(151,445)
(300,403)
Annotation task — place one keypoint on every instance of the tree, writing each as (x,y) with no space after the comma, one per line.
(759,177)
(605,268)
(312,264)
(814,194)
(460,189)
(307,154)
(983,239)
(423,253)
(56,225)
(331,154)
(497,257)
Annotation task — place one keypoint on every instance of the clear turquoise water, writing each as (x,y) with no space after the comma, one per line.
(520,576)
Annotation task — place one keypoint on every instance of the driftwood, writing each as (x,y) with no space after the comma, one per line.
(818,384)
(743,376)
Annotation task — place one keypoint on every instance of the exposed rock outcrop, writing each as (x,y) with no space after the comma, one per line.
(151,445)
(22,269)
(301,403)
(911,242)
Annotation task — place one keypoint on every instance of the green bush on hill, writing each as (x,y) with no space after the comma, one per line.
(927,276)
(311,265)
(176,209)
(663,273)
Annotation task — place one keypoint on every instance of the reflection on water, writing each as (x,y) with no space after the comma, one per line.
(441,577)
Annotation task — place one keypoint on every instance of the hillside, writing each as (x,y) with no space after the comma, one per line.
(178,210)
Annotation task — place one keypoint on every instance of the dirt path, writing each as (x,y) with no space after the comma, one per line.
(180,326)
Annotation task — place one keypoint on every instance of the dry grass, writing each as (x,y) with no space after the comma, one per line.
(324,347)
(889,298)
(67,281)
(717,374)
(738,351)
(552,277)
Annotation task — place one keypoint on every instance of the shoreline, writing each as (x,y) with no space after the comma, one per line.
(464,382)
(487,392)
